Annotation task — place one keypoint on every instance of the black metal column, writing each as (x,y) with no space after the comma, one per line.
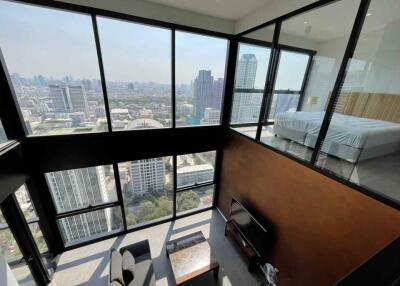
(23,236)
(45,209)
(270,80)
(10,114)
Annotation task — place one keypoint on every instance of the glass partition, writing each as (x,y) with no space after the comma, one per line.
(295,117)
(363,139)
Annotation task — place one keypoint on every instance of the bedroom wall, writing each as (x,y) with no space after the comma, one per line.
(323,229)
(375,67)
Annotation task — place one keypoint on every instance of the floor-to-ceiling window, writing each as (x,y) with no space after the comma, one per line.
(200,78)
(52,60)
(195,181)
(147,188)
(86,203)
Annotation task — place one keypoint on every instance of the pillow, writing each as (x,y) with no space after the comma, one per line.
(128,266)
(116,267)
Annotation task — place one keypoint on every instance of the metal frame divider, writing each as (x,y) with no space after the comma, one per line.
(119,195)
(20,229)
(270,80)
(305,82)
(102,74)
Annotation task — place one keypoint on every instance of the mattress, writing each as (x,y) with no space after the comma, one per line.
(348,137)
(348,130)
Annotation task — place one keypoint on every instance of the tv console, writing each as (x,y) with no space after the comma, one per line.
(232,232)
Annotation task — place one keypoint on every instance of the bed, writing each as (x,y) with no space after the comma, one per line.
(351,138)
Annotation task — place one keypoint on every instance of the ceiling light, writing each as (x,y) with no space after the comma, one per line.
(305,22)
(369,14)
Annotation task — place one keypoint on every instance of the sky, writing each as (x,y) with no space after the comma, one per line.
(49,42)
(56,43)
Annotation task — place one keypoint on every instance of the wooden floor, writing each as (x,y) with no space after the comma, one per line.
(89,265)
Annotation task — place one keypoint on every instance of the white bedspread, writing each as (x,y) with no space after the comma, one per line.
(348,130)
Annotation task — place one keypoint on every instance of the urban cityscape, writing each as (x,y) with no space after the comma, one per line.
(62,106)
(147,188)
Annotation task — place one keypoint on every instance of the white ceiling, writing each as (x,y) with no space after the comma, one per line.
(225,9)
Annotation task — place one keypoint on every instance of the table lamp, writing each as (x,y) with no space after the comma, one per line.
(311,100)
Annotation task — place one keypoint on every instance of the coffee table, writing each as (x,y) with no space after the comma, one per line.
(191,256)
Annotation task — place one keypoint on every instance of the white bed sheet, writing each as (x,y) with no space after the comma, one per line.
(348,130)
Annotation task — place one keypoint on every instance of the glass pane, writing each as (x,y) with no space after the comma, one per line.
(138,93)
(246,107)
(291,70)
(25,203)
(200,78)
(283,102)
(251,73)
(8,245)
(38,237)
(147,189)
(91,225)
(3,136)
(197,168)
(264,35)
(195,199)
(52,59)
(363,140)
(2,219)
(81,188)
(295,130)
(289,79)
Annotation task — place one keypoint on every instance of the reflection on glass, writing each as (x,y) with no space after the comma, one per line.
(137,64)
(195,199)
(91,225)
(193,169)
(81,188)
(147,189)
(200,73)
(51,56)
(296,128)
(363,140)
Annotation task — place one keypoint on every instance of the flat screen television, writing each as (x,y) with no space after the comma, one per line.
(249,227)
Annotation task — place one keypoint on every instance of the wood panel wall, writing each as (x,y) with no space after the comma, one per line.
(323,229)
(379,106)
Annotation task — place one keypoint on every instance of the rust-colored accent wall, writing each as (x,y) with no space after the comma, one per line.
(323,228)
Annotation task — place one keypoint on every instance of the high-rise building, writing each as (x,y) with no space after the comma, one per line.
(74,189)
(69,98)
(246,73)
(211,116)
(194,174)
(246,106)
(147,175)
(203,92)
(218,89)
